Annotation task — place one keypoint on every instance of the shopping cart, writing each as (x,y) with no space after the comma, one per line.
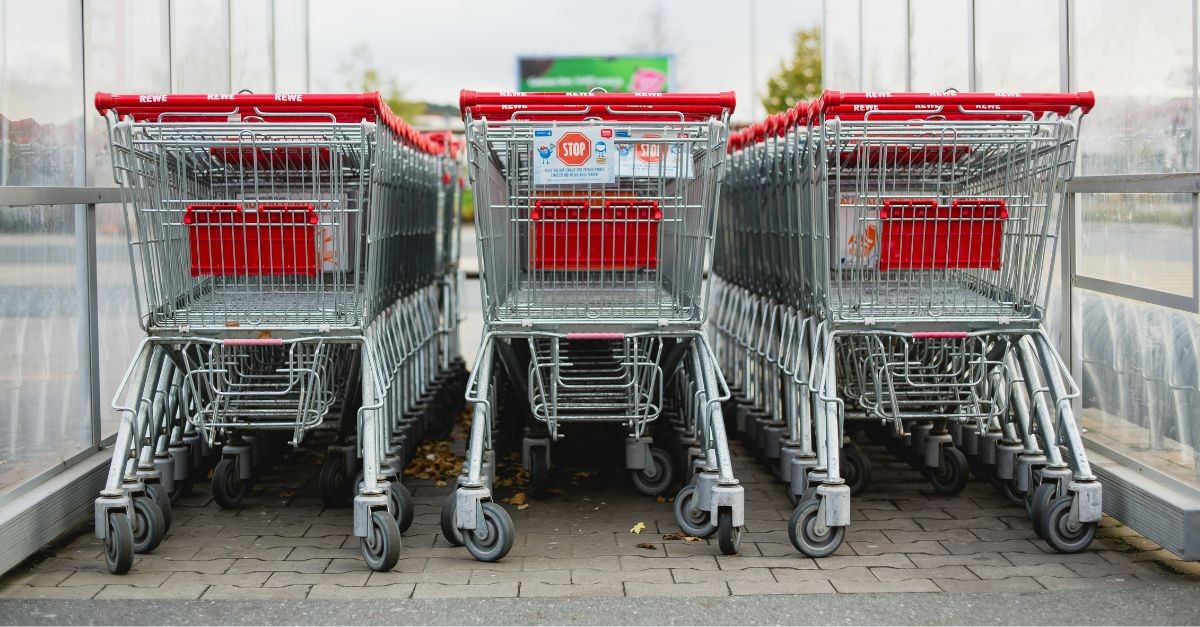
(284,250)
(594,215)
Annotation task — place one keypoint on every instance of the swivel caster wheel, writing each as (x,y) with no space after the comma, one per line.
(493,538)
(951,476)
(118,543)
(227,484)
(1036,503)
(657,476)
(539,473)
(728,537)
(449,530)
(694,522)
(160,496)
(856,469)
(381,546)
(1060,532)
(401,505)
(808,535)
(148,525)
(333,484)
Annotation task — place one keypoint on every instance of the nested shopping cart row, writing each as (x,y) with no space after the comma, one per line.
(595,215)
(883,265)
(294,259)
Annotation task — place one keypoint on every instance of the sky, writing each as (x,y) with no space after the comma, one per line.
(434,48)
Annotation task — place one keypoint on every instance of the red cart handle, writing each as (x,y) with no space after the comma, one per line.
(970,100)
(725,100)
(344,108)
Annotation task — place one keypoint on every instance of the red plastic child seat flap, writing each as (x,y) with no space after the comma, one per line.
(919,234)
(275,239)
(570,234)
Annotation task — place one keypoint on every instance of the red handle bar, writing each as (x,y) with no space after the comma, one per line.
(725,100)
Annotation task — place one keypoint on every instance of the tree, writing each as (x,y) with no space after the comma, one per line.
(799,78)
(364,77)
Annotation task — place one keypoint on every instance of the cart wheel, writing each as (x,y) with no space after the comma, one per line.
(381,547)
(449,530)
(951,476)
(657,476)
(804,533)
(227,485)
(148,526)
(118,543)
(333,484)
(856,469)
(402,505)
(728,536)
(181,488)
(1036,504)
(694,522)
(1063,534)
(163,500)
(1009,488)
(493,539)
(539,473)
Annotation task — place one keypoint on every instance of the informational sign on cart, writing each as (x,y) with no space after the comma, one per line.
(573,156)
(653,154)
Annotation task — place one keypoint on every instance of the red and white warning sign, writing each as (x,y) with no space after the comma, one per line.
(566,156)
(644,153)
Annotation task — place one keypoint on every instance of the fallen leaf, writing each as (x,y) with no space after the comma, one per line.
(439,483)
(673,536)
(638,528)
(690,539)
(661,499)
(287,494)
(516,499)
(647,546)
(523,506)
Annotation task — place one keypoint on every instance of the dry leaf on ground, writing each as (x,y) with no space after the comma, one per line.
(638,528)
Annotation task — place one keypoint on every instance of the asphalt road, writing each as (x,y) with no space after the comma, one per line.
(1153,605)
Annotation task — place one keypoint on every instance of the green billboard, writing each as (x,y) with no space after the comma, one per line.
(626,73)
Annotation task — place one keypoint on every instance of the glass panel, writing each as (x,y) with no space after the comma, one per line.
(840,69)
(251,45)
(119,62)
(885,25)
(200,46)
(291,46)
(1141,381)
(42,417)
(1139,239)
(1143,119)
(1016,45)
(939,45)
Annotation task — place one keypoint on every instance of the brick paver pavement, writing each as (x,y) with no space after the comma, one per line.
(283,544)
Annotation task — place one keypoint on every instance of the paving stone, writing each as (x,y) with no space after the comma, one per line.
(540,589)
(589,577)
(430,590)
(388,591)
(925,546)
(542,576)
(997,535)
(940,572)
(23,591)
(637,562)
(909,585)
(1088,583)
(691,575)
(283,579)
(814,586)
(263,553)
(1040,570)
(235,592)
(244,580)
(404,564)
(167,591)
(324,553)
(885,514)
(1013,584)
(705,589)
(899,537)
(851,573)
(36,578)
(1037,558)
(294,566)
(892,560)
(795,560)
(933,524)
(394,576)
(133,579)
(145,564)
(1004,546)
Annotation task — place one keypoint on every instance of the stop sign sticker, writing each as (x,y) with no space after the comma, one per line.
(573,149)
(566,156)
(648,153)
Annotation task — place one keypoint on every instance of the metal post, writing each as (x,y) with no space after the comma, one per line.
(89,324)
